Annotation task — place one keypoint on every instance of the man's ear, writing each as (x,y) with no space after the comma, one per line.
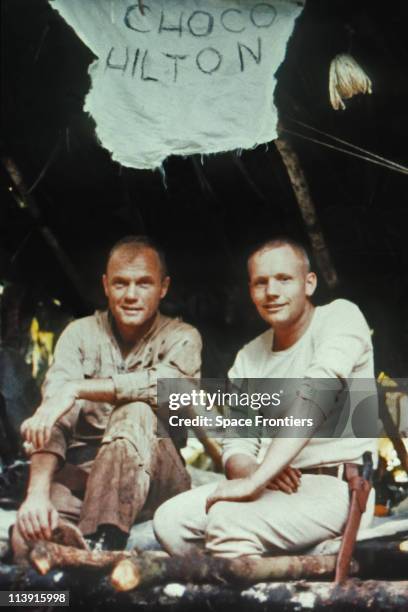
(105,284)
(165,287)
(311,283)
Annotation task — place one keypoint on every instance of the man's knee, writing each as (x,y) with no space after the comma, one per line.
(176,529)
(166,525)
(135,421)
(221,519)
(229,532)
(132,410)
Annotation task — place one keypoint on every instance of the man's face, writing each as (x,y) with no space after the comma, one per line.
(134,286)
(280,285)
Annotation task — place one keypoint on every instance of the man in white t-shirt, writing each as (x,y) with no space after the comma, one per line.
(294,496)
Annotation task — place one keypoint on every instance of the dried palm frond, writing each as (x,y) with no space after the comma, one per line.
(346,79)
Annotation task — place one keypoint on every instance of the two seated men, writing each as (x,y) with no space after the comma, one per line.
(100,460)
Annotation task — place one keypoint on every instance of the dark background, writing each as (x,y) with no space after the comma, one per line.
(206,215)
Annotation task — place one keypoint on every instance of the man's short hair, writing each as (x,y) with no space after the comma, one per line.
(138,243)
(280,241)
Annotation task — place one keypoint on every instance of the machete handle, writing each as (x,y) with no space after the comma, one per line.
(367,473)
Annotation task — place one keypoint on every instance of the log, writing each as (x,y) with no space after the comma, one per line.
(353,595)
(134,569)
(97,595)
(373,559)
(66,534)
(211,447)
(148,569)
(46,556)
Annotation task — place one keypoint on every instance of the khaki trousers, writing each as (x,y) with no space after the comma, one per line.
(273,523)
(132,473)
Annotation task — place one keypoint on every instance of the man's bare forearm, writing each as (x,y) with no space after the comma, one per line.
(282,450)
(280,454)
(37,516)
(96,390)
(42,468)
(38,428)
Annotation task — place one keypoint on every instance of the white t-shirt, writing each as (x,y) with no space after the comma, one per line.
(337,345)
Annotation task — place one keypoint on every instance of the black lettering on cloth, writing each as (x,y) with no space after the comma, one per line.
(263,18)
(175,58)
(121,67)
(143,75)
(171,28)
(206,69)
(223,19)
(201,30)
(135,60)
(257,57)
(129,11)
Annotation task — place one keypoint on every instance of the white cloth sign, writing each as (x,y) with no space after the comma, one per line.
(188,76)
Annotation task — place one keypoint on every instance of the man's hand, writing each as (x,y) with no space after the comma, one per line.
(239,489)
(37,517)
(37,429)
(287,481)
(243,466)
(244,489)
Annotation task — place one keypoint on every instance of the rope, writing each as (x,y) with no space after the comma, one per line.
(349,144)
(390,165)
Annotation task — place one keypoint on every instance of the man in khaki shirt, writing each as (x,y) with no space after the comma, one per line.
(97,460)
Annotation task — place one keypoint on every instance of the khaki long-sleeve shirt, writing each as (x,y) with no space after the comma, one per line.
(88,349)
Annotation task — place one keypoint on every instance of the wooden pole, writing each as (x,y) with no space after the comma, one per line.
(211,447)
(373,558)
(46,556)
(27,200)
(147,570)
(308,211)
(133,568)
